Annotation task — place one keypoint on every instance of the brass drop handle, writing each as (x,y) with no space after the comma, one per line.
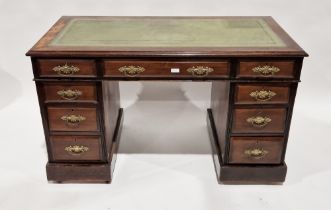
(66,70)
(76,149)
(73,120)
(266,70)
(69,94)
(262,95)
(256,153)
(131,71)
(200,71)
(258,121)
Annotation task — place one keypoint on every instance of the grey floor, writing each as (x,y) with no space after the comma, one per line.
(164,160)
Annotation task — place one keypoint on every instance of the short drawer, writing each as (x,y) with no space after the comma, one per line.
(266,69)
(259,120)
(72,119)
(193,69)
(76,148)
(256,150)
(261,94)
(66,68)
(70,91)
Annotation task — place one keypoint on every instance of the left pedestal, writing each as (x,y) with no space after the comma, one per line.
(81,118)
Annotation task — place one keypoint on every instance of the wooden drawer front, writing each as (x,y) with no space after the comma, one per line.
(261,94)
(70,91)
(163,68)
(72,119)
(66,148)
(266,69)
(256,150)
(261,120)
(66,68)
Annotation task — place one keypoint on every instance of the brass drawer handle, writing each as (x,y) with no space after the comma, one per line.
(262,95)
(200,71)
(256,153)
(69,94)
(65,70)
(73,120)
(258,121)
(131,71)
(266,70)
(76,149)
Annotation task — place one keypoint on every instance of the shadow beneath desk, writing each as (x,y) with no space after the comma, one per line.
(308,149)
(164,120)
(10,89)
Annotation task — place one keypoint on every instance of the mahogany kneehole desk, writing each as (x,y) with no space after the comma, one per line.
(254,67)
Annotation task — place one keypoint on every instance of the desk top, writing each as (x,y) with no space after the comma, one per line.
(220,36)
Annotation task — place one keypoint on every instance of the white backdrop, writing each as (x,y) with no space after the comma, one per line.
(165,160)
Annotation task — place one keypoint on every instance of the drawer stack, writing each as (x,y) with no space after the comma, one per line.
(73,113)
(72,110)
(260,114)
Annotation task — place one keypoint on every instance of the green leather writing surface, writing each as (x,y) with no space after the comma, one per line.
(165,32)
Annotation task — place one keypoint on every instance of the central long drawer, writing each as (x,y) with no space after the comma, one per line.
(188,69)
